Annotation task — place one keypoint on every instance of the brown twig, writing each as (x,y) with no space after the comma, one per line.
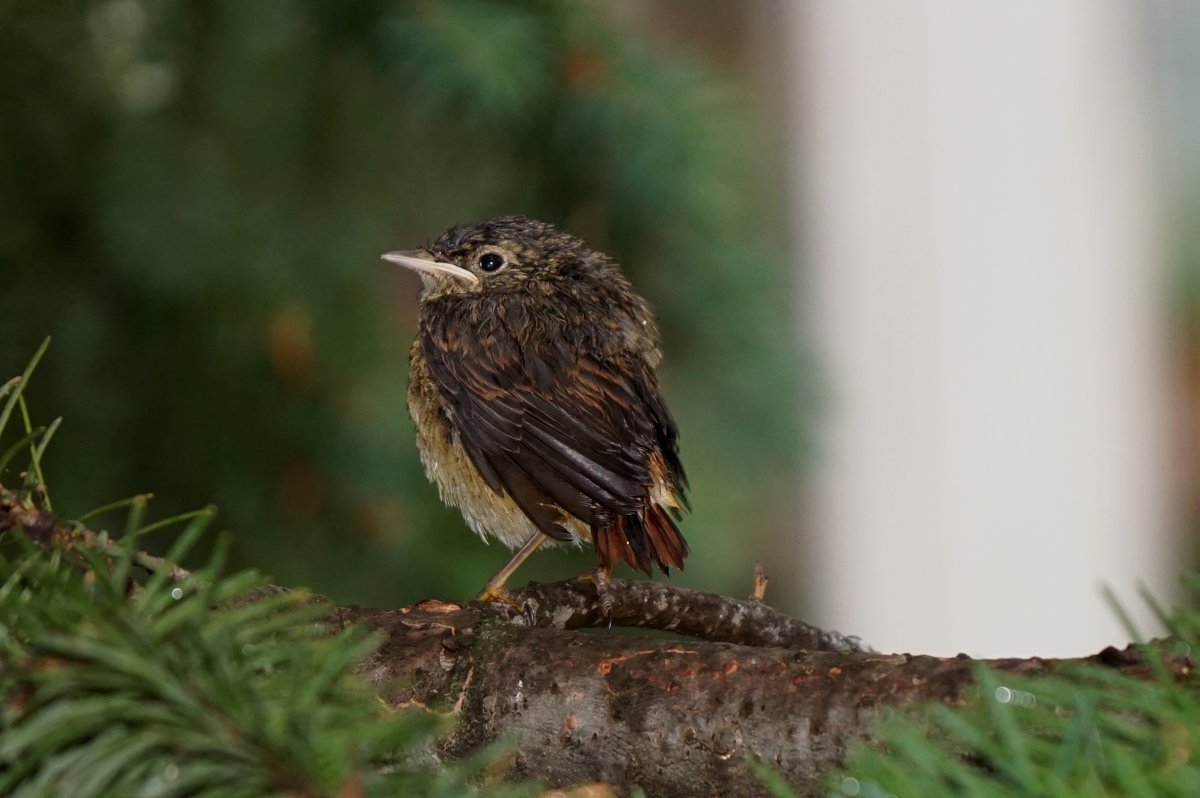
(46,531)
(574,604)
(760,583)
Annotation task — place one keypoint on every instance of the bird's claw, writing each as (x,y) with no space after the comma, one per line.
(530,608)
(527,608)
(604,599)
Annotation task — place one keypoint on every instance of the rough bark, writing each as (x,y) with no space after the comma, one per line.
(675,716)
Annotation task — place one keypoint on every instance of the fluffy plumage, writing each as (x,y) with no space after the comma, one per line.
(534,394)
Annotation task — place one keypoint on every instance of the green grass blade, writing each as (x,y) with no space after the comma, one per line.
(38,451)
(117,505)
(18,386)
(26,440)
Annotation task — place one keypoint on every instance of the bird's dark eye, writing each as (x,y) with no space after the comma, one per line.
(490,261)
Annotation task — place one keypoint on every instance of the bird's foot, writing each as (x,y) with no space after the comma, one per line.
(499,594)
(602,577)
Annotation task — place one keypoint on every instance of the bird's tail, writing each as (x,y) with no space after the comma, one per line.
(646,539)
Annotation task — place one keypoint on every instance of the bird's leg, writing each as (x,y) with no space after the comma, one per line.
(494,590)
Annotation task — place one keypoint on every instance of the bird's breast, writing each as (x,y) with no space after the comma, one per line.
(490,514)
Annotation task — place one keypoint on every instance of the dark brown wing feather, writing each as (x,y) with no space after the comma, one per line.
(559,431)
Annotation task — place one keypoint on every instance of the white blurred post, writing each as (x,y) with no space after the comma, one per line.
(982,275)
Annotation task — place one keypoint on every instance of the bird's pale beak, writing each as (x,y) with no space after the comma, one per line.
(410,260)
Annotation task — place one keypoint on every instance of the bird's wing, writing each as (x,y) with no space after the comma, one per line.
(557,430)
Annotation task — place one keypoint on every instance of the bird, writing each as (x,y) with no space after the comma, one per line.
(534,393)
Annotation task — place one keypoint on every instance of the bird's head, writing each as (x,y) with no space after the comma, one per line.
(500,255)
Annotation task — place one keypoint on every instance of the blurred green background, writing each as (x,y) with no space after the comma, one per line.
(193,200)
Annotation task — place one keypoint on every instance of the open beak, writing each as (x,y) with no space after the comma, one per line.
(409,260)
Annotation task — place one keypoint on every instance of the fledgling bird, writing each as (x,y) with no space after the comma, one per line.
(533,391)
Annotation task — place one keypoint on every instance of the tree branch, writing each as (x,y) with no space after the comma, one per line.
(642,604)
(676,715)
